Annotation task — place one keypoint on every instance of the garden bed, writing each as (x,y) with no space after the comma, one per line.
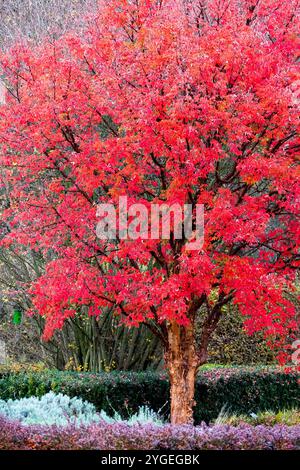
(102,436)
(238,390)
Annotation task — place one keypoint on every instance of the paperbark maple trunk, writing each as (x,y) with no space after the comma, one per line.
(182,361)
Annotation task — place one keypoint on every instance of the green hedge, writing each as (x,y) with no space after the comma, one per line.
(238,390)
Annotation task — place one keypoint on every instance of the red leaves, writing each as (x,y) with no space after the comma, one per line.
(162,105)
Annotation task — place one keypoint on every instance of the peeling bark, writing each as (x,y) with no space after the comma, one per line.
(182,361)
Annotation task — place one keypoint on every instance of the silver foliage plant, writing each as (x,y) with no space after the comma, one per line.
(61,410)
(50,409)
(144,416)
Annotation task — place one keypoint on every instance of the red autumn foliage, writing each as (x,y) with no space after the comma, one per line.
(165,102)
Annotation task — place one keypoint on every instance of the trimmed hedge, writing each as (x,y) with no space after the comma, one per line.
(238,390)
(103,436)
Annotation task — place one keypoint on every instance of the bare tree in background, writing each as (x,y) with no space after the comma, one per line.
(35,19)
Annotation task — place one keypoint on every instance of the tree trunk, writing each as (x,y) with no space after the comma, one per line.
(182,362)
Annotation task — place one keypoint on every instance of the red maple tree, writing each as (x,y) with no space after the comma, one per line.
(164,101)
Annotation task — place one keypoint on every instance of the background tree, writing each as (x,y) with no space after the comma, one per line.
(199,105)
(36,19)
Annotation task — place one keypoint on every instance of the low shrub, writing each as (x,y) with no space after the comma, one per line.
(103,436)
(243,390)
(50,409)
(143,416)
(269,418)
(61,410)
(240,390)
